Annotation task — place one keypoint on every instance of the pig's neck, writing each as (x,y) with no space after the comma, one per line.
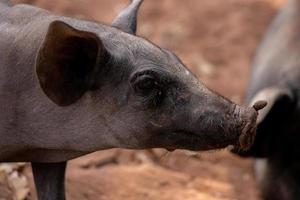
(30,120)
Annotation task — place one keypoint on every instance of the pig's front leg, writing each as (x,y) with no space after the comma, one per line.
(49,180)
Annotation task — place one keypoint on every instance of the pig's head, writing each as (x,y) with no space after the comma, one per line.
(142,95)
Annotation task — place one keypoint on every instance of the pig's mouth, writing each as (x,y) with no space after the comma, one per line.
(182,139)
(240,134)
(194,142)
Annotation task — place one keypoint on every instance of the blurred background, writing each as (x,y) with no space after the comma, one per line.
(216,39)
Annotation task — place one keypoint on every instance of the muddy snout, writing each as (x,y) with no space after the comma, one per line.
(249,131)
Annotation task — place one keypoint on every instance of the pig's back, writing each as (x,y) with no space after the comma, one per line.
(277,61)
(17,36)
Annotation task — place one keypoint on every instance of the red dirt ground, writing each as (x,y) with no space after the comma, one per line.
(217,40)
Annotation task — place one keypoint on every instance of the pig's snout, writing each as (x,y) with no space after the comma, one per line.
(248,133)
(249,115)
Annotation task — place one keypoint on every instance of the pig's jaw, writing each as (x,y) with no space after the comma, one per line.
(241,134)
(194,142)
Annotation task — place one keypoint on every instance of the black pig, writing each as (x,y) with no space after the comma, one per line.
(276,78)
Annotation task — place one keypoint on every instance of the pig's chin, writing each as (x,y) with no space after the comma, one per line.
(194,142)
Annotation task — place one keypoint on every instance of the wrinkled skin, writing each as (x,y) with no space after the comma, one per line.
(69,87)
(276,78)
(142,96)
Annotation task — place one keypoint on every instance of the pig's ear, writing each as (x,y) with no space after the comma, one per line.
(66,62)
(281,102)
(127,19)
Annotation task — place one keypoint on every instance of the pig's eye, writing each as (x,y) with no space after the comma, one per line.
(149,86)
(145,84)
